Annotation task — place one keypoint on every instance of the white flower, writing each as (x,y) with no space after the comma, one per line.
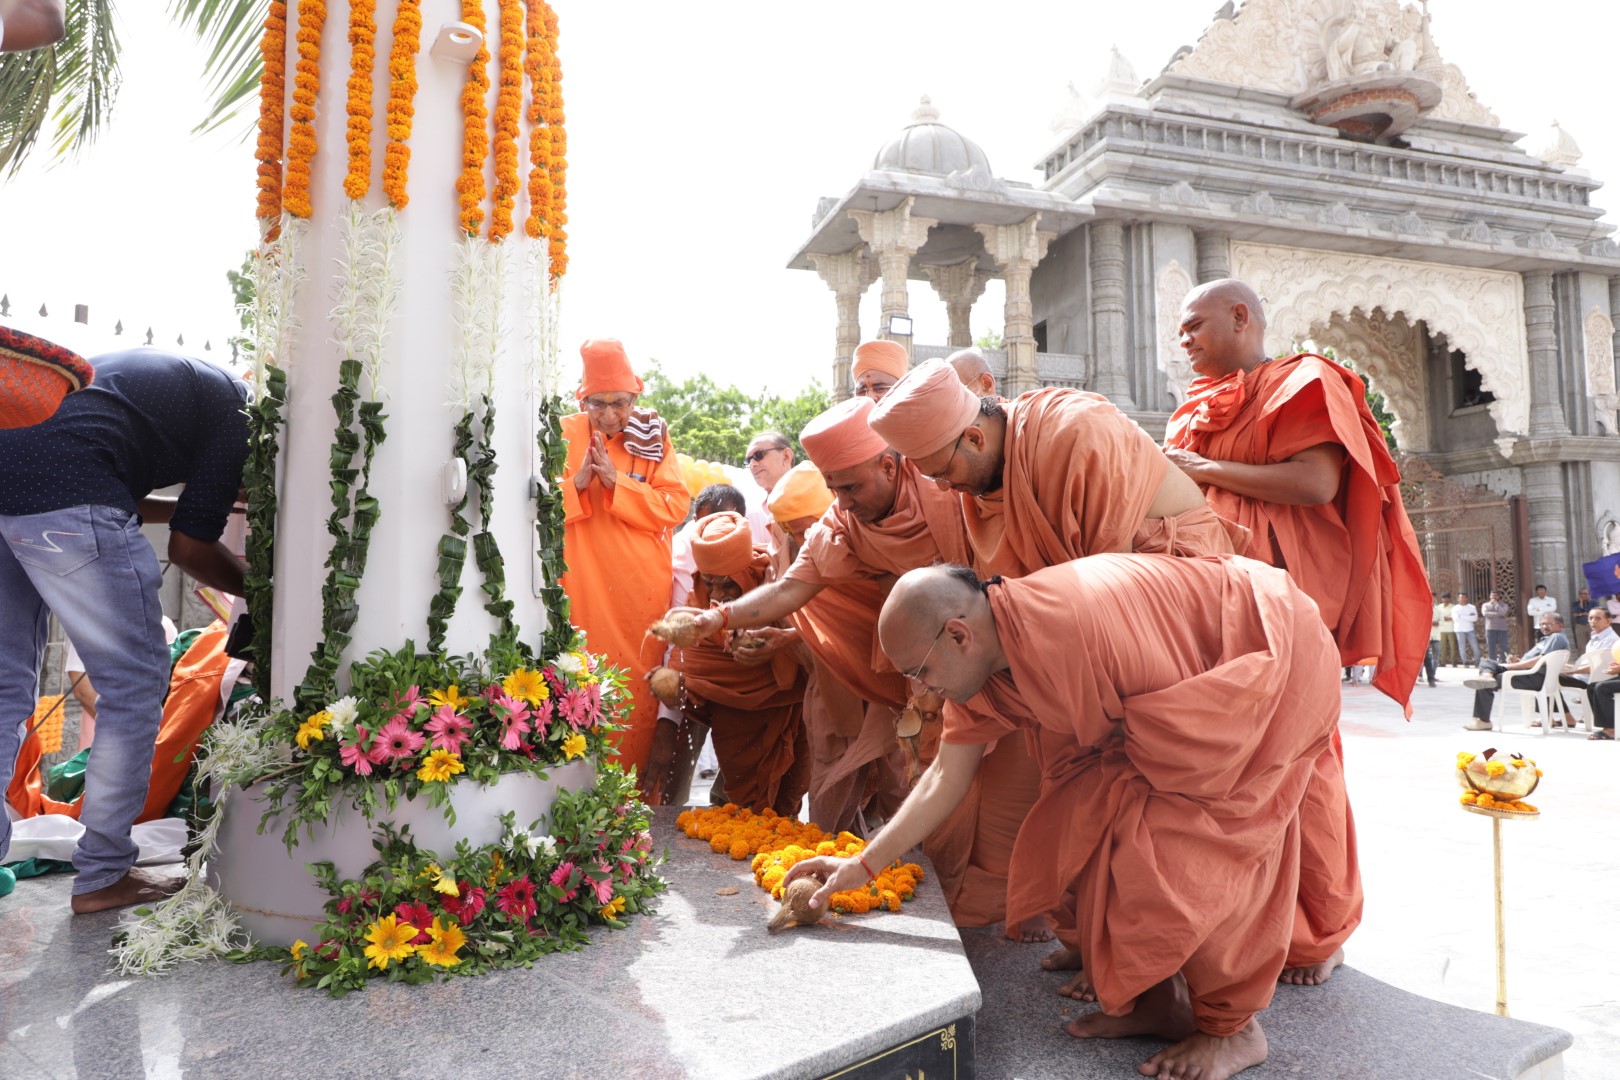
(527,841)
(548,844)
(569,664)
(344,712)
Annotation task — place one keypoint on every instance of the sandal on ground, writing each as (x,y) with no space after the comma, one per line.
(1601,735)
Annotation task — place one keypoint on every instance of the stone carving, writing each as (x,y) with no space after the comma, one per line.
(1412,222)
(1609,536)
(1477,232)
(1389,352)
(1260,203)
(1480,312)
(1285,45)
(1072,112)
(1335,214)
(1600,377)
(1543,241)
(1181,193)
(1558,148)
(1171,292)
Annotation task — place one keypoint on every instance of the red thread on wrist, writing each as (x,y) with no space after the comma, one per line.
(725,616)
(870,876)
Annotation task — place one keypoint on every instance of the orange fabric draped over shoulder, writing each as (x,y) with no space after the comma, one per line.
(1357,555)
(1175,763)
(617,546)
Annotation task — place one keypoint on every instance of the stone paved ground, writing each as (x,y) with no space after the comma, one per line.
(1427,868)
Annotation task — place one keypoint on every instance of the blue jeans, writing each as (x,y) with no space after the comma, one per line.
(1496,645)
(1468,647)
(94,569)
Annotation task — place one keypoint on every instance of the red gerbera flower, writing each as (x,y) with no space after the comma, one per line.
(466,906)
(516,899)
(418,916)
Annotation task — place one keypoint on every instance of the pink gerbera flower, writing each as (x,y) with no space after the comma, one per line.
(395,740)
(466,906)
(514,716)
(603,888)
(595,712)
(516,899)
(541,715)
(354,755)
(559,878)
(418,916)
(450,729)
(575,707)
(558,683)
(409,700)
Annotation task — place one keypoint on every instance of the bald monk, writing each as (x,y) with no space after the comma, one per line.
(884,522)
(1289,448)
(974,371)
(877,366)
(856,769)
(1174,826)
(755,713)
(1047,477)
(623,494)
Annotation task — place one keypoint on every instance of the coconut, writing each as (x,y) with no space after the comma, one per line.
(796,909)
(666,685)
(1517,780)
(677,628)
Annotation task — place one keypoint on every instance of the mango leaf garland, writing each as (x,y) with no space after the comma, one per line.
(548,524)
(259,478)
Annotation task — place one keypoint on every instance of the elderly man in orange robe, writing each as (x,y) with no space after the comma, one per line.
(622,495)
(1289,448)
(755,713)
(974,371)
(877,366)
(1173,826)
(886,521)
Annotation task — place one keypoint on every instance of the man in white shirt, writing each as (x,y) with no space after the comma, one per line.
(1539,605)
(1593,666)
(1448,632)
(1465,617)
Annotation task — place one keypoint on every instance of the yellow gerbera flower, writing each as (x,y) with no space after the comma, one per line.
(585,677)
(299,949)
(614,908)
(313,729)
(447,940)
(573,746)
(440,766)
(390,941)
(497,867)
(526,684)
(442,882)
(451,696)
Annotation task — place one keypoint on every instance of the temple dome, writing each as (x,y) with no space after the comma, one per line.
(929,147)
(1557,148)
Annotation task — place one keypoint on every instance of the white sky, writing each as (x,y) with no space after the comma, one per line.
(700,138)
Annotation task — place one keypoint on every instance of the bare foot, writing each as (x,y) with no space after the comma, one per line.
(1031,930)
(139,886)
(1079,988)
(1164,1010)
(1209,1057)
(1063,959)
(1313,974)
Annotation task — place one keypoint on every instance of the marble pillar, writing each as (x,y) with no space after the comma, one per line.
(1108,314)
(1016,249)
(893,236)
(848,276)
(1544,488)
(960,285)
(1214,255)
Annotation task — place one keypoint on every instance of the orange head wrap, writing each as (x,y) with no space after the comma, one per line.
(925,411)
(35,375)
(840,437)
(723,544)
(607,369)
(888,357)
(801,493)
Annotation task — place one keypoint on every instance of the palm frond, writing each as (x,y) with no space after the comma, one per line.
(230,29)
(27,80)
(87,75)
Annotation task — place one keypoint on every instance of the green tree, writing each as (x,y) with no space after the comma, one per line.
(714,423)
(990,340)
(1375,402)
(241,282)
(68,90)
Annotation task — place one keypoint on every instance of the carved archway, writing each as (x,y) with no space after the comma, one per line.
(1480,312)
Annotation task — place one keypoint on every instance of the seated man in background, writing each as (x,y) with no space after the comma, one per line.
(1486,686)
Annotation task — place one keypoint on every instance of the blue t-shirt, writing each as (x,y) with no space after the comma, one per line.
(150,419)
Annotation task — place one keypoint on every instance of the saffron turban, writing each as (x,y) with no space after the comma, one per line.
(801,493)
(607,369)
(35,375)
(926,411)
(841,438)
(723,544)
(888,357)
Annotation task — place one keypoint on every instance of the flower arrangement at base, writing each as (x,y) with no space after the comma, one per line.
(776,843)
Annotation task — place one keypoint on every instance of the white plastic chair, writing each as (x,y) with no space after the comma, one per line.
(1582,708)
(1551,665)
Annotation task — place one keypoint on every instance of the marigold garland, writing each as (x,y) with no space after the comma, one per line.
(508,115)
(401,101)
(536,62)
(475,111)
(272,105)
(557,214)
(362,58)
(306,89)
(776,843)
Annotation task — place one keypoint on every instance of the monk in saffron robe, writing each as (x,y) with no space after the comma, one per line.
(1289,448)
(755,713)
(623,494)
(877,366)
(1174,825)
(856,766)
(884,522)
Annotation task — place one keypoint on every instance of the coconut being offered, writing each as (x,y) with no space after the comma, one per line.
(796,909)
(677,628)
(1496,781)
(666,685)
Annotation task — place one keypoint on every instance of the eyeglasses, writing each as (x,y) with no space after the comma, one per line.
(940,475)
(617,404)
(759,455)
(916,672)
